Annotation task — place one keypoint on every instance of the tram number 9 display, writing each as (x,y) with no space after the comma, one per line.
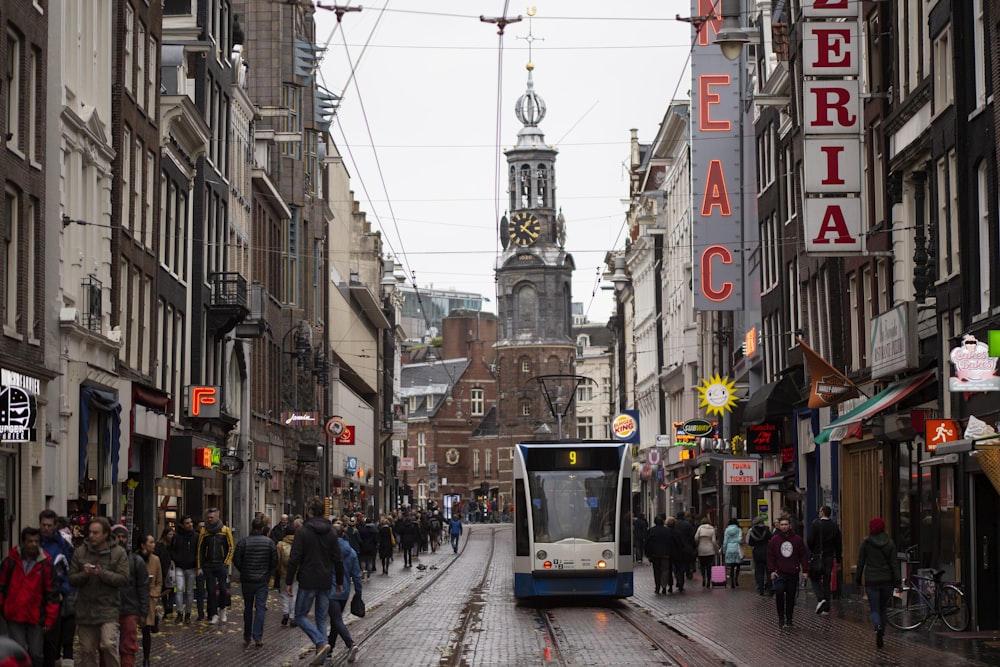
(572,459)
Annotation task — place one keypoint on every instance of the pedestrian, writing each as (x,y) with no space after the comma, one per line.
(639,529)
(706,547)
(732,550)
(353,534)
(154,568)
(29,593)
(657,547)
(256,557)
(284,548)
(340,593)
(215,555)
(757,538)
(434,530)
(825,545)
(409,538)
(386,543)
(786,557)
(685,534)
(98,570)
(184,555)
(59,638)
(877,565)
(282,528)
(455,531)
(314,559)
(677,575)
(369,547)
(162,552)
(134,598)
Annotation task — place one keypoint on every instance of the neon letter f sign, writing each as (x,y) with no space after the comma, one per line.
(201,396)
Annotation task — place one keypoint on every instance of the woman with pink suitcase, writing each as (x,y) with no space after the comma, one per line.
(708,547)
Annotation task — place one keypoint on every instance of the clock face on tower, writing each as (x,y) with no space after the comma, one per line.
(524,228)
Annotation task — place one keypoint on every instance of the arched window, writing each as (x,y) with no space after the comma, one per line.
(542,190)
(524,187)
(985,262)
(527,308)
(512,187)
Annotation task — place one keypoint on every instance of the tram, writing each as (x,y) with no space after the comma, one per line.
(572,519)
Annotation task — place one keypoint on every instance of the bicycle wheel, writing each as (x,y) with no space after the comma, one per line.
(907,609)
(954,609)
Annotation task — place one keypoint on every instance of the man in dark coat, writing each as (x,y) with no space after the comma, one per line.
(688,551)
(825,544)
(369,547)
(184,554)
(277,534)
(256,558)
(314,558)
(658,549)
(409,538)
(639,528)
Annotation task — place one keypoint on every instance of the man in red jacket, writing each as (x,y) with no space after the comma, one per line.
(29,594)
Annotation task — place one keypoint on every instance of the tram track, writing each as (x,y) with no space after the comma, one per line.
(367,630)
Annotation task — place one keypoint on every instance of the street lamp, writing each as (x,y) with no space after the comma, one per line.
(731,37)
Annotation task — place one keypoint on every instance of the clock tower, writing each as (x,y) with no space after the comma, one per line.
(534,276)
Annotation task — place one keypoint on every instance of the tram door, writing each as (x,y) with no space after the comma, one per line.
(985,553)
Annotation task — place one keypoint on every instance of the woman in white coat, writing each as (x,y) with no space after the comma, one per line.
(708,546)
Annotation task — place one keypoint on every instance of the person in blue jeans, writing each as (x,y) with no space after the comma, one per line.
(455,531)
(314,560)
(256,558)
(340,592)
(877,564)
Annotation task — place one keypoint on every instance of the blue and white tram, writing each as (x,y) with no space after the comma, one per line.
(572,519)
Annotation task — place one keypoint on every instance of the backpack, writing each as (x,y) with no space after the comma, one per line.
(435,524)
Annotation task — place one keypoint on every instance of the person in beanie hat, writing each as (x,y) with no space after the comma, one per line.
(877,563)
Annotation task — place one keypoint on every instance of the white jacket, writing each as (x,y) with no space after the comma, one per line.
(704,537)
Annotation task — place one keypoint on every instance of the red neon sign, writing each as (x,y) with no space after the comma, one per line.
(202,396)
(723,254)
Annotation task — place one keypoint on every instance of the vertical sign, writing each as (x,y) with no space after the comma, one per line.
(832,125)
(716,165)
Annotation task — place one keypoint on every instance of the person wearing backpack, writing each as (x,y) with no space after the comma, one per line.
(29,593)
(757,538)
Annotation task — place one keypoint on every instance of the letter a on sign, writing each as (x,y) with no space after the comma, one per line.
(833,225)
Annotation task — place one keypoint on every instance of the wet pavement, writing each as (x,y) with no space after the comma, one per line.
(468,616)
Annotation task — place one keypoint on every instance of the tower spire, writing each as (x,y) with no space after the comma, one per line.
(530,107)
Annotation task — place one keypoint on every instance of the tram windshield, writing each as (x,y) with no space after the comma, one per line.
(574,504)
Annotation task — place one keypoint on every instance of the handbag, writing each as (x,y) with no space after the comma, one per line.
(358,606)
(816,566)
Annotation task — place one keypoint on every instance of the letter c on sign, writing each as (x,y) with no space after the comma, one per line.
(712,253)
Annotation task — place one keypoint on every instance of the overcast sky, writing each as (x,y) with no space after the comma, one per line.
(421,131)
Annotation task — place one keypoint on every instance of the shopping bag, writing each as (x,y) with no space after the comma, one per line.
(358,606)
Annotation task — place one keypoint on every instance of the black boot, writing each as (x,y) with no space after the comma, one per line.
(879,634)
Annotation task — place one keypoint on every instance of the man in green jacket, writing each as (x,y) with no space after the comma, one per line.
(98,569)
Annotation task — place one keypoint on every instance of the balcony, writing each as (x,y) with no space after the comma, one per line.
(229,302)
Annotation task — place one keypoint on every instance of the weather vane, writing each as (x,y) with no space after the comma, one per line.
(531,37)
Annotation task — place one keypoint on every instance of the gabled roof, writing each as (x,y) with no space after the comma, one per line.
(430,379)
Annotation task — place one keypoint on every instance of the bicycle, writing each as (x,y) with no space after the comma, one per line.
(922,597)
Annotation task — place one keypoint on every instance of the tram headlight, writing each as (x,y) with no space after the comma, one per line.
(547,565)
(601,565)
(542,554)
(607,554)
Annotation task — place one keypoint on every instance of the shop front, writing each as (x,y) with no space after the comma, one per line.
(19,416)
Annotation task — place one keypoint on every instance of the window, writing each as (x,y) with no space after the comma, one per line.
(525,365)
(855,344)
(129,47)
(312,161)
(148,223)
(13,89)
(475,463)
(978,47)
(944,88)
(31,287)
(585,428)
(430,402)
(877,183)
(585,393)
(413,404)
(488,458)
(947,223)
(151,72)
(985,256)
(10,238)
(290,258)
(33,98)
(478,402)
(421,493)
(525,409)
(291,122)
(421,449)
(140,66)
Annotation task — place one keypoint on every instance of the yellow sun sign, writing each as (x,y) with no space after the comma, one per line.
(717,394)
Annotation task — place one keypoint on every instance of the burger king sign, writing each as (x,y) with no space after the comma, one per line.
(625,427)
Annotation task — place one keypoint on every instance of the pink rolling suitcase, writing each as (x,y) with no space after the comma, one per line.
(718,575)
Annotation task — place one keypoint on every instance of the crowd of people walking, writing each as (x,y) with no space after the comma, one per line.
(102,600)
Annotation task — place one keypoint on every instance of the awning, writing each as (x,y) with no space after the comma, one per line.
(774,398)
(883,400)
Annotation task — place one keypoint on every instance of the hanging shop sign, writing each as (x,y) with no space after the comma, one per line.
(740,472)
(717,395)
(939,431)
(18,406)
(625,427)
(204,402)
(697,427)
(764,438)
(347,437)
(975,369)
(335,426)
(406,463)
(230,465)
